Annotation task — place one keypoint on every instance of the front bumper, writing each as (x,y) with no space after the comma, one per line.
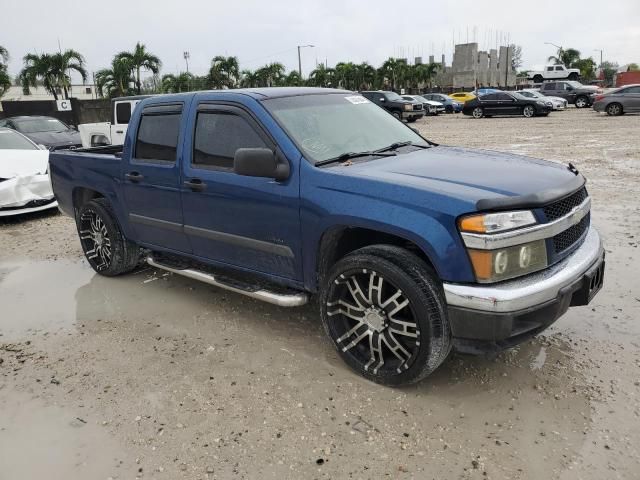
(490,318)
(408,115)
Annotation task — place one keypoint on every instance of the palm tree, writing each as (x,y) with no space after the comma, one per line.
(565,57)
(346,75)
(224,72)
(177,83)
(422,74)
(394,70)
(115,81)
(321,76)
(249,79)
(5,79)
(52,70)
(140,59)
(271,75)
(292,79)
(365,76)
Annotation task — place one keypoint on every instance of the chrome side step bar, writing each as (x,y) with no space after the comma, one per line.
(280,299)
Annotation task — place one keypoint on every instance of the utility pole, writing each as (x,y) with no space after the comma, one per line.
(300,58)
(599,50)
(186,56)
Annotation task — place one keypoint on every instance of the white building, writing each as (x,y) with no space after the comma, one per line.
(79,91)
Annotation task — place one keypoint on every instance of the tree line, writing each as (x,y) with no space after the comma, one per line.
(123,76)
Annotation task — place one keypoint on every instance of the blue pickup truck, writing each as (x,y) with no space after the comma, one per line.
(413,249)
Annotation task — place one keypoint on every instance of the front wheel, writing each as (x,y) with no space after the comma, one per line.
(573,76)
(614,109)
(477,112)
(107,250)
(384,310)
(537,79)
(581,101)
(529,111)
(411,120)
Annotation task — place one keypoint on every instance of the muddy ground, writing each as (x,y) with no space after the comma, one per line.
(156,376)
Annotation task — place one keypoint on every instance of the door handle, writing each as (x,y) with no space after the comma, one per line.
(133,176)
(119,131)
(195,184)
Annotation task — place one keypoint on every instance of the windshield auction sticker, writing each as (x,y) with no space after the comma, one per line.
(356,99)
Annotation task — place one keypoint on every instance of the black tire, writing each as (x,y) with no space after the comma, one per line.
(581,101)
(448,108)
(614,109)
(529,111)
(537,79)
(406,297)
(411,120)
(107,250)
(573,76)
(397,114)
(477,112)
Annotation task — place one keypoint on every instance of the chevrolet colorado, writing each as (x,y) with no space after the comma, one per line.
(413,249)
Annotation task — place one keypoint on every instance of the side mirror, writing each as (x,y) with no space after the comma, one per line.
(259,162)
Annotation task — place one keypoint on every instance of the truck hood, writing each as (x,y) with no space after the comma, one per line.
(490,180)
(55,139)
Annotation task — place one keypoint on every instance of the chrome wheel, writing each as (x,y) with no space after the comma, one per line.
(95,240)
(581,102)
(372,322)
(528,111)
(477,112)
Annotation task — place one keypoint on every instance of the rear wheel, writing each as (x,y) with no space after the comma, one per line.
(107,250)
(614,109)
(573,76)
(477,112)
(411,120)
(582,101)
(385,312)
(529,111)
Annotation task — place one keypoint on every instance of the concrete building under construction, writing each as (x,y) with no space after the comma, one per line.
(471,68)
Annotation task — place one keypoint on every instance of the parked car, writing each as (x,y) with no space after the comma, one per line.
(450,105)
(554,72)
(505,103)
(462,97)
(573,92)
(619,101)
(24,178)
(47,131)
(429,106)
(414,249)
(402,109)
(557,103)
(113,132)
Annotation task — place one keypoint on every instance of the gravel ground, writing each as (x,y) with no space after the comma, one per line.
(156,376)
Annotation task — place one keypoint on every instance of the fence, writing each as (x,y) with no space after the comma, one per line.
(82,111)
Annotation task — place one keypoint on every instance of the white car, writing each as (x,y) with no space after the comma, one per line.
(431,107)
(557,103)
(24,177)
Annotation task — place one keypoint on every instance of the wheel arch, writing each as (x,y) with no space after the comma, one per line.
(82,195)
(340,240)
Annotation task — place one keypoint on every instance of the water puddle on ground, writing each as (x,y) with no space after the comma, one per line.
(44,441)
(39,296)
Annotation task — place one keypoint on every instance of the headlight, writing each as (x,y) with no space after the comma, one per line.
(408,106)
(541,102)
(496,222)
(505,263)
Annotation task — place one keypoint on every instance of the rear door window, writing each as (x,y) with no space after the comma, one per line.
(157,138)
(123,113)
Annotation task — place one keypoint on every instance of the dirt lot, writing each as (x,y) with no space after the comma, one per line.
(156,376)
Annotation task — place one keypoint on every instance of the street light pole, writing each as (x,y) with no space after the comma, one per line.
(300,58)
(599,50)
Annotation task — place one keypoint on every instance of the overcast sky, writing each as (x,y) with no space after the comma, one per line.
(261,31)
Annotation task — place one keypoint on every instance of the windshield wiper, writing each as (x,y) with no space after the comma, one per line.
(397,145)
(349,155)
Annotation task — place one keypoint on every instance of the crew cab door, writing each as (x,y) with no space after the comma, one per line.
(248,222)
(152,178)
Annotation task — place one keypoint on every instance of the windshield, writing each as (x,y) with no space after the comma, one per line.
(575,84)
(393,96)
(10,140)
(35,125)
(327,126)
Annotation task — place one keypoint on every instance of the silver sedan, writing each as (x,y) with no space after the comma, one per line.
(619,101)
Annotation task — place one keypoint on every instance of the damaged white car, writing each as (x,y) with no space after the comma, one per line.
(24,176)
